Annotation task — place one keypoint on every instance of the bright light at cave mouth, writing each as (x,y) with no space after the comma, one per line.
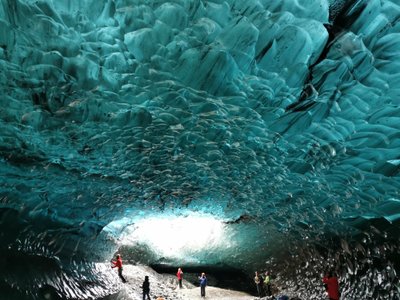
(173,236)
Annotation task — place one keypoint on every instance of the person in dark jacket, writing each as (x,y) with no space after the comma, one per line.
(118,264)
(146,288)
(332,285)
(203,284)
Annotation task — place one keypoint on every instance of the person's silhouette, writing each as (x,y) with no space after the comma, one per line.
(146,288)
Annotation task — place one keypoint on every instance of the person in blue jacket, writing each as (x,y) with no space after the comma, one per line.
(203,284)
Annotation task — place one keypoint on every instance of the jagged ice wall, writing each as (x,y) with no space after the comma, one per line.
(281,118)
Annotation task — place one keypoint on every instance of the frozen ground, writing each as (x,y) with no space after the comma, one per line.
(214,293)
(165,286)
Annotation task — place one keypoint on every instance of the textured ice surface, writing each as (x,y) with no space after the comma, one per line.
(279,117)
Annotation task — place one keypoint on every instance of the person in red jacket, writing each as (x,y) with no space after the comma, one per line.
(118,264)
(332,285)
(179,275)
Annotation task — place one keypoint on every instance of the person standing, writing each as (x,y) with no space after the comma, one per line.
(332,285)
(258,280)
(118,264)
(146,288)
(203,284)
(267,284)
(179,275)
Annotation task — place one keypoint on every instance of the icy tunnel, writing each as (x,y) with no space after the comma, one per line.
(227,134)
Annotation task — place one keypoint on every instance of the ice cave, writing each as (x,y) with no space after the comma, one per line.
(220,135)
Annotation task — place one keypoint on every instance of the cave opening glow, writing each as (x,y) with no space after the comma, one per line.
(175,236)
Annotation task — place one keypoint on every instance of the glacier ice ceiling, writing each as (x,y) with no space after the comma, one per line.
(279,120)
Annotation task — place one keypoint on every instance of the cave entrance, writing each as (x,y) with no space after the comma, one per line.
(176,238)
